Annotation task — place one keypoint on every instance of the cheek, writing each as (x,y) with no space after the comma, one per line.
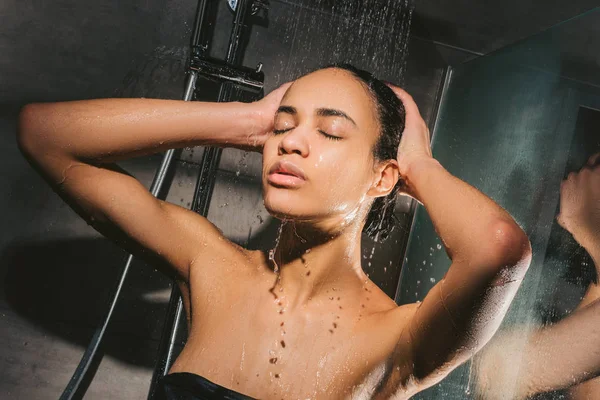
(343,176)
(269,152)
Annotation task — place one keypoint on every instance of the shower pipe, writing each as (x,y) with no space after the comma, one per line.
(228,74)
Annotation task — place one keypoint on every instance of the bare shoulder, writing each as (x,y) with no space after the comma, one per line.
(386,308)
(383,314)
(219,259)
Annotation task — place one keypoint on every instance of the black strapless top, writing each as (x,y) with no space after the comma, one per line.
(189,386)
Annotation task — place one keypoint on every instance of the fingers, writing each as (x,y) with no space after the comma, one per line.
(280,91)
(594,160)
(559,220)
(285,86)
(412,110)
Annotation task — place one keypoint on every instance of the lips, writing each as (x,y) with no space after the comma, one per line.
(285,173)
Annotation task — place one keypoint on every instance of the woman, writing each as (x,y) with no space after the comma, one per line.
(306,322)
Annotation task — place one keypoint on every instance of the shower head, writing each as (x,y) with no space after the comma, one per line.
(232,4)
(256,5)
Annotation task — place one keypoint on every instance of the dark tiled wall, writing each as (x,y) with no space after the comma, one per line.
(57,273)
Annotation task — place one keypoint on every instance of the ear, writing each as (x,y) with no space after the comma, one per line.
(386,177)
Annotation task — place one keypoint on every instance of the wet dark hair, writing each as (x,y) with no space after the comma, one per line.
(380,220)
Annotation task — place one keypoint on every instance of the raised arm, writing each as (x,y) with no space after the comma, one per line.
(567,353)
(74,146)
(490,255)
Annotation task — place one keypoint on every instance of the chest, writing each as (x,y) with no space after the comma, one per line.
(253,343)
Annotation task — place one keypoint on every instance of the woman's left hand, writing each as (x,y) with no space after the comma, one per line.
(415,145)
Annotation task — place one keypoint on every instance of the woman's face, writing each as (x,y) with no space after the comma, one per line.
(318,165)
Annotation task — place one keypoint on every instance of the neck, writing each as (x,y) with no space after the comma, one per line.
(312,263)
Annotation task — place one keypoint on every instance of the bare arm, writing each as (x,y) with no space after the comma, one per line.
(566,353)
(74,145)
(490,255)
(586,389)
(548,358)
(574,341)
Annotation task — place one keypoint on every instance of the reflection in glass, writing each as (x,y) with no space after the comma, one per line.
(514,124)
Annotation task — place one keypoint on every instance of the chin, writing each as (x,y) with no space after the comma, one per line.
(281,211)
(286,205)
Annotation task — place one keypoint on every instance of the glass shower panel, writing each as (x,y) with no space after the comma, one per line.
(514,124)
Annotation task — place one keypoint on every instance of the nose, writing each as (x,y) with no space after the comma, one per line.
(294,142)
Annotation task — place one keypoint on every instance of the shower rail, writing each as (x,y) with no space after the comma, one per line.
(230,74)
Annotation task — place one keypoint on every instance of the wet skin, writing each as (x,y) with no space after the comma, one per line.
(319,328)
(309,323)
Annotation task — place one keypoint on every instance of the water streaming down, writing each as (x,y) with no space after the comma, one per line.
(371,34)
(274,249)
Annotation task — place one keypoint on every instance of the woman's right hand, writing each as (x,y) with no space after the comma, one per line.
(580,203)
(265,110)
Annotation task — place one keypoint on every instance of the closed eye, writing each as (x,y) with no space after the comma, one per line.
(328,136)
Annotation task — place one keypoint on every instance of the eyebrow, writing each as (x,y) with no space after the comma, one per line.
(322,112)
